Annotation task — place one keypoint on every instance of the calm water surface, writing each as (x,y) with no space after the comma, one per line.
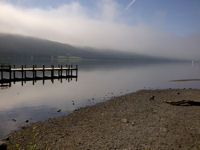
(99,83)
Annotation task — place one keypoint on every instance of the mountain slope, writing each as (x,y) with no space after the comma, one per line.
(21,47)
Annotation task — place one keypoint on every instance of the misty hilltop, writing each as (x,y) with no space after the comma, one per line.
(22,47)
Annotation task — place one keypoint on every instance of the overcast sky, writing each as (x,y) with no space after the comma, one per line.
(155,27)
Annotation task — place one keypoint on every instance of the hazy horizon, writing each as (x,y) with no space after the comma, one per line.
(151,27)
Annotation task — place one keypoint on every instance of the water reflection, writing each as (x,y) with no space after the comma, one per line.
(4,84)
(39,102)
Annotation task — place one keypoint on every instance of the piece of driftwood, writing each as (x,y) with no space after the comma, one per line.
(184,103)
(185,80)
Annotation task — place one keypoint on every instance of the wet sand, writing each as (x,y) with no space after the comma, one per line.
(136,121)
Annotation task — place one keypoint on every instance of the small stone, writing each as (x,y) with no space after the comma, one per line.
(132,123)
(3,145)
(163,129)
(152,97)
(124,120)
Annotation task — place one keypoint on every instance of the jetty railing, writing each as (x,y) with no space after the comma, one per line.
(14,74)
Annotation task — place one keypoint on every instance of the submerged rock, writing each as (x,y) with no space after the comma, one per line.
(14,120)
(59,110)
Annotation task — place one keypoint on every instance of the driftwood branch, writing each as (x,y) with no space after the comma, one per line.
(184,103)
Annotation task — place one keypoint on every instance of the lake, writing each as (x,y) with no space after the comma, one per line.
(21,105)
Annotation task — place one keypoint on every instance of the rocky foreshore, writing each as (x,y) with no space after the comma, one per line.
(144,120)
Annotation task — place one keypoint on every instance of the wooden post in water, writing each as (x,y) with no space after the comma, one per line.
(22,67)
(77,70)
(22,71)
(58,71)
(14,74)
(71,70)
(10,75)
(76,73)
(33,73)
(52,73)
(61,71)
(43,71)
(66,71)
(1,72)
(25,73)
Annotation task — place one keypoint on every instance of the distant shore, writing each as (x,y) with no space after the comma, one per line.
(141,120)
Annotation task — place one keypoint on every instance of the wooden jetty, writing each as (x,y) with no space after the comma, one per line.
(13,74)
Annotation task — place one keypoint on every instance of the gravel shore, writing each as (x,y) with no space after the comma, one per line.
(136,121)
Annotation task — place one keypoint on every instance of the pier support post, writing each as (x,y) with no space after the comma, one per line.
(52,71)
(66,71)
(76,73)
(58,71)
(71,71)
(22,71)
(33,72)
(10,75)
(77,70)
(61,71)
(14,74)
(43,71)
(43,74)
(1,73)
(25,73)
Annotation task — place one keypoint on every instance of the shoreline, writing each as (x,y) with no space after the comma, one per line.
(140,120)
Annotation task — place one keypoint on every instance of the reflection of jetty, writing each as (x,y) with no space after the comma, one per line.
(11,74)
